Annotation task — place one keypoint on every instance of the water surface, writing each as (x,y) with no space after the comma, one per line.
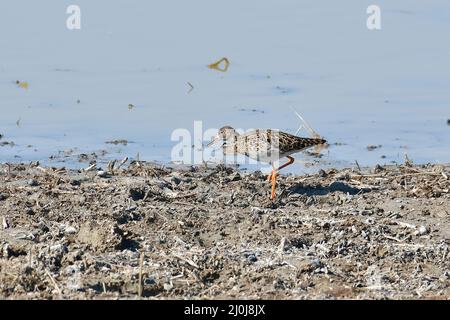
(354,86)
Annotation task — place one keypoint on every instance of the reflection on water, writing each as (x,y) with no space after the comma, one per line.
(356,87)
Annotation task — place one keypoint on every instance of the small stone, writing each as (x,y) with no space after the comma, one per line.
(279,284)
(309,201)
(5,250)
(422,230)
(33,183)
(75,182)
(5,224)
(322,173)
(71,270)
(56,247)
(169,193)
(367,212)
(343,176)
(235,177)
(137,193)
(102,174)
(316,263)
(378,169)
(168,286)
(149,281)
(257,210)
(175,180)
(250,256)
(70,230)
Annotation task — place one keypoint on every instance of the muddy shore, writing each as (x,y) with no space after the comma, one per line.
(212,233)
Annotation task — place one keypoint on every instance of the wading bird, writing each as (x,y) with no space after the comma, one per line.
(264,145)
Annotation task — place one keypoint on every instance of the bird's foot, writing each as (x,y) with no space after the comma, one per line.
(274,185)
(270,177)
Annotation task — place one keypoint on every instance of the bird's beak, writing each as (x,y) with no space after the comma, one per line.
(213,141)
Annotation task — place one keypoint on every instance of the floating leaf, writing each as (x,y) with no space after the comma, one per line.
(22,84)
(216,65)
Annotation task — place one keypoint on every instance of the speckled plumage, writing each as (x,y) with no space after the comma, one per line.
(267,145)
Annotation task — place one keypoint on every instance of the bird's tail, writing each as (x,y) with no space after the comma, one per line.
(303,143)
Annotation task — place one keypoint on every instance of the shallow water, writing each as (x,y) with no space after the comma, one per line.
(354,86)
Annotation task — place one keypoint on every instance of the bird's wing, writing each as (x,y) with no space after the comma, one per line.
(289,143)
(270,145)
(260,144)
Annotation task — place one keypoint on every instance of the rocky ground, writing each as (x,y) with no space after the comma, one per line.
(212,233)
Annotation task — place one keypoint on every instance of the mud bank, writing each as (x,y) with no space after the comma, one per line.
(212,233)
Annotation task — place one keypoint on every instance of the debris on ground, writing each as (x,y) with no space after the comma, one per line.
(185,232)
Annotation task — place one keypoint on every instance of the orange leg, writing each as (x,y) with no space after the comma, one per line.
(273,176)
(269,177)
(274,186)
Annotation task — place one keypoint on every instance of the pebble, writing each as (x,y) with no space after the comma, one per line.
(75,182)
(316,263)
(422,230)
(70,230)
(169,193)
(71,270)
(175,180)
(258,210)
(5,224)
(235,177)
(378,169)
(168,286)
(102,174)
(251,256)
(5,250)
(343,176)
(32,183)
(56,247)
(322,173)
(150,281)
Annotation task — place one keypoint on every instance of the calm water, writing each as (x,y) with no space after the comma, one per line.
(354,86)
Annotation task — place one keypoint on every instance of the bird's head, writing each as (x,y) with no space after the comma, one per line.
(225,133)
